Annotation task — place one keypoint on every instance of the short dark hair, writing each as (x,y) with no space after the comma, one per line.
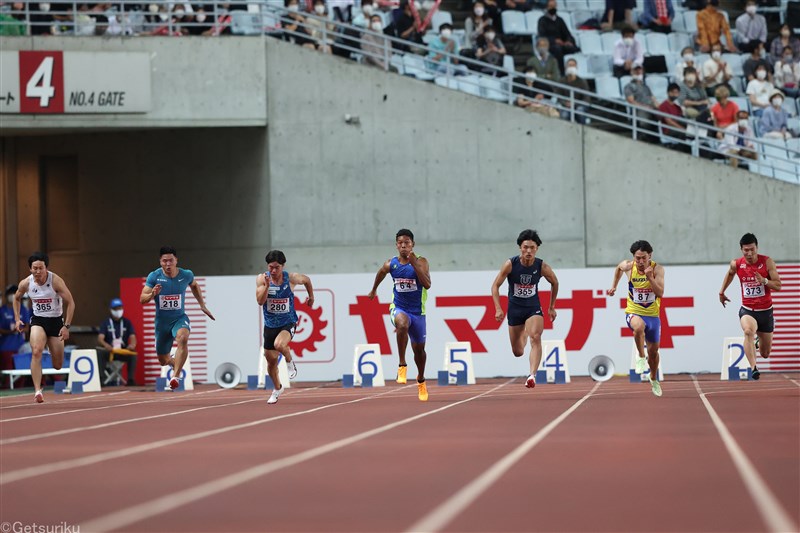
(445,26)
(404,233)
(673,87)
(641,246)
(529,235)
(748,238)
(275,256)
(756,44)
(167,250)
(628,30)
(38,256)
(689,70)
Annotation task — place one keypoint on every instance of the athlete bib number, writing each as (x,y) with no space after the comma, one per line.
(169,302)
(405,285)
(753,290)
(524,291)
(42,305)
(643,296)
(278,306)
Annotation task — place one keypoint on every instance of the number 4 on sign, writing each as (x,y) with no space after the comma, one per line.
(554,358)
(40,85)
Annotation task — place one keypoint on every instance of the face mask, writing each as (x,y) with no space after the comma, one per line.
(777,102)
(787,60)
(179,13)
(743,123)
(319,9)
(716,54)
(751,10)
(628,41)
(785,33)
(572,71)
(690,78)
(116,313)
(672,98)
(446,34)
(200,17)
(294,8)
(761,74)
(163,17)
(688,57)
(479,11)
(543,51)
(552,11)
(44,7)
(153,8)
(637,77)
(368,9)
(490,37)
(530,76)
(377,26)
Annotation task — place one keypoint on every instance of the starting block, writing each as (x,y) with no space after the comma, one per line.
(443,378)
(283,372)
(76,388)
(366,380)
(252,382)
(185,379)
(458,358)
(367,365)
(554,366)
(59,386)
(347,381)
(644,377)
(559,377)
(735,366)
(269,384)
(740,374)
(461,378)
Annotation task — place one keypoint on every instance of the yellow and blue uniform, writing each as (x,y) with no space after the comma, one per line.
(170,306)
(409,297)
(644,303)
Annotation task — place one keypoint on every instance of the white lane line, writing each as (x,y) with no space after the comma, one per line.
(39,470)
(792,380)
(770,509)
(137,513)
(759,389)
(449,509)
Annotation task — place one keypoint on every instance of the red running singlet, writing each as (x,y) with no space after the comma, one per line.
(755,296)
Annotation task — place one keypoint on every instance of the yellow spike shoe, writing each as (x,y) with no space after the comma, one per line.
(401,374)
(422,391)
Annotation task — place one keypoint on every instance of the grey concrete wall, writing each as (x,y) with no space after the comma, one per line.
(691,211)
(195,82)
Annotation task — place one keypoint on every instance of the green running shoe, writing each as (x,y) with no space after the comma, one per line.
(656,386)
(641,365)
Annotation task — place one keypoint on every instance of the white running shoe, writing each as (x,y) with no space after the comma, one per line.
(274,396)
(292,368)
(656,387)
(38,397)
(641,365)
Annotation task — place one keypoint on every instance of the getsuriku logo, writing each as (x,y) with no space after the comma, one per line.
(308,331)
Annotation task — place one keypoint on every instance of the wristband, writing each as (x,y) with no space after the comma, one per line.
(67,326)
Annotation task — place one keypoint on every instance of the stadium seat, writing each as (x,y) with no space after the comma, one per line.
(608,87)
(470,85)
(244,23)
(600,65)
(439,18)
(580,16)
(742,101)
(397,62)
(657,44)
(508,63)
(589,42)
(735,62)
(572,5)
(610,40)
(568,21)
(690,21)
(414,65)
(532,22)
(658,85)
(494,88)
(583,64)
(678,40)
(679,23)
(445,81)
(790,107)
(514,23)
(776,156)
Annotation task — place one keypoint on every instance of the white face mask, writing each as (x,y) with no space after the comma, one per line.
(785,33)
(446,34)
(294,8)
(44,7)
(628,41)
(751,10)
(690,78)
(716,54)
(479,11)
(743,123)
(153,8)
(179,13)
(368,9)
(637,77)
(163,16)
(116,313)
(319,9)
(377,26)
(200,17)
(571,71)
(761,74)
(688,57)
(490,37)
(777,102)
(530,76)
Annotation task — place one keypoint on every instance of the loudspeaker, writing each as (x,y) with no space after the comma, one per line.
(227,375)
(601,368)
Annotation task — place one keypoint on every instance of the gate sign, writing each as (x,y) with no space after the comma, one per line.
(57,82)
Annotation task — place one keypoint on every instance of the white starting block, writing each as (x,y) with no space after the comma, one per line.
(283,372)
(83,369)
(186,373)
(367,366)
(554,366)
(735,366)
(644,377)
(458,362)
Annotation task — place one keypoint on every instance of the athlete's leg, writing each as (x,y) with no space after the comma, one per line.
(420,358)
(653,359)
(764,344)
(749,326)
(164,340)
(181,352)
(638,326)
(533,329)
(56,346)
(401,323)
(519,338)
(272,366)
(282,345)
(38,341)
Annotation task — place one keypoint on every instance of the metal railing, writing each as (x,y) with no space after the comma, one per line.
(775,157)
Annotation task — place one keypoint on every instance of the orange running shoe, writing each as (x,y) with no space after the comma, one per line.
(401,374)
(422,392)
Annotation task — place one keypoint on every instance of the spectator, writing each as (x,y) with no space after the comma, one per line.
(738,139)
(202,21)
(787,74)
(750,27)
(294,26)
(758,57)
(530,98)
(490,50)
(117,333)
(618,14)
(516,5)
(627,52)
(639,95)
(444,44)
(774,121)
(10,339)
(759,91)
(687,60)
(363,18)
(670,107)
(321,31)
(717,72)
(493,10)
(693,97)
(657,15)
(711,25)
(42,21)
(543,63)
(404,26)
(572,79)
(475,25)
(555,29)
(375,46)
(785,38)
(724,111)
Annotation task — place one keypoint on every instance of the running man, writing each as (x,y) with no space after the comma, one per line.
(758,277)
(275,293)
(53,308)
(645,290)
(412,280)
(525,318)
(167,285)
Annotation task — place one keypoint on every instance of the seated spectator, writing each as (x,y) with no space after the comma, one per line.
(717,72)
(785,38)
(738,139)
(758,57)
(321,31)
(404,25)
(219,19)
(711,26)
(618,14)
(774,122)
(670,107)
(363,18)
(516,5)
(294,26)
(572,79)
(490,50)
(543,62)
(555,30)
(42,21)
(657,15)
(759,91)
(11,340)
(117,333)
(475,24)
(787,74)
(693,97)
(750,27)
(530,98)
(445,44)
(627,52)
(724,111)
(375,46)
(687,60)
(640,95)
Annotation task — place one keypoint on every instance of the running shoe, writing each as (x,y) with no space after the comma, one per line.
(641,365)
(38,397)
(756,373)
(292,368)
(274,396)
(401,374)
(422,391)
(531,381)
(656,386)
(174,383)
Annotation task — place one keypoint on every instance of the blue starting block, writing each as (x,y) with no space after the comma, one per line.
(541,376)
(77,387)
(268,383)
(252,382)
(559,377)
(366,380)
(161,384)
(740,374)
(59,386)
(347,381)
(443,378)
(461,377)
(639,378)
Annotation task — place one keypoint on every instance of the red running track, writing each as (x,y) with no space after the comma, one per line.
(493,457)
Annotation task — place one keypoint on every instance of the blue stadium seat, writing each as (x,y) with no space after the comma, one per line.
(589,42)
(514,23)
(608,87)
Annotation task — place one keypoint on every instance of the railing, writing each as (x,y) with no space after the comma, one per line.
(454,71)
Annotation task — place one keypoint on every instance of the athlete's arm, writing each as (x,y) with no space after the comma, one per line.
(69,304)
(774,281)
(149,293)
(22,288)
(378,279)
(198,294)
(305,281)
(656,278)
(727,281)
(505,270)
(422,268)
(624,266)
(550,276)
(262,289)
